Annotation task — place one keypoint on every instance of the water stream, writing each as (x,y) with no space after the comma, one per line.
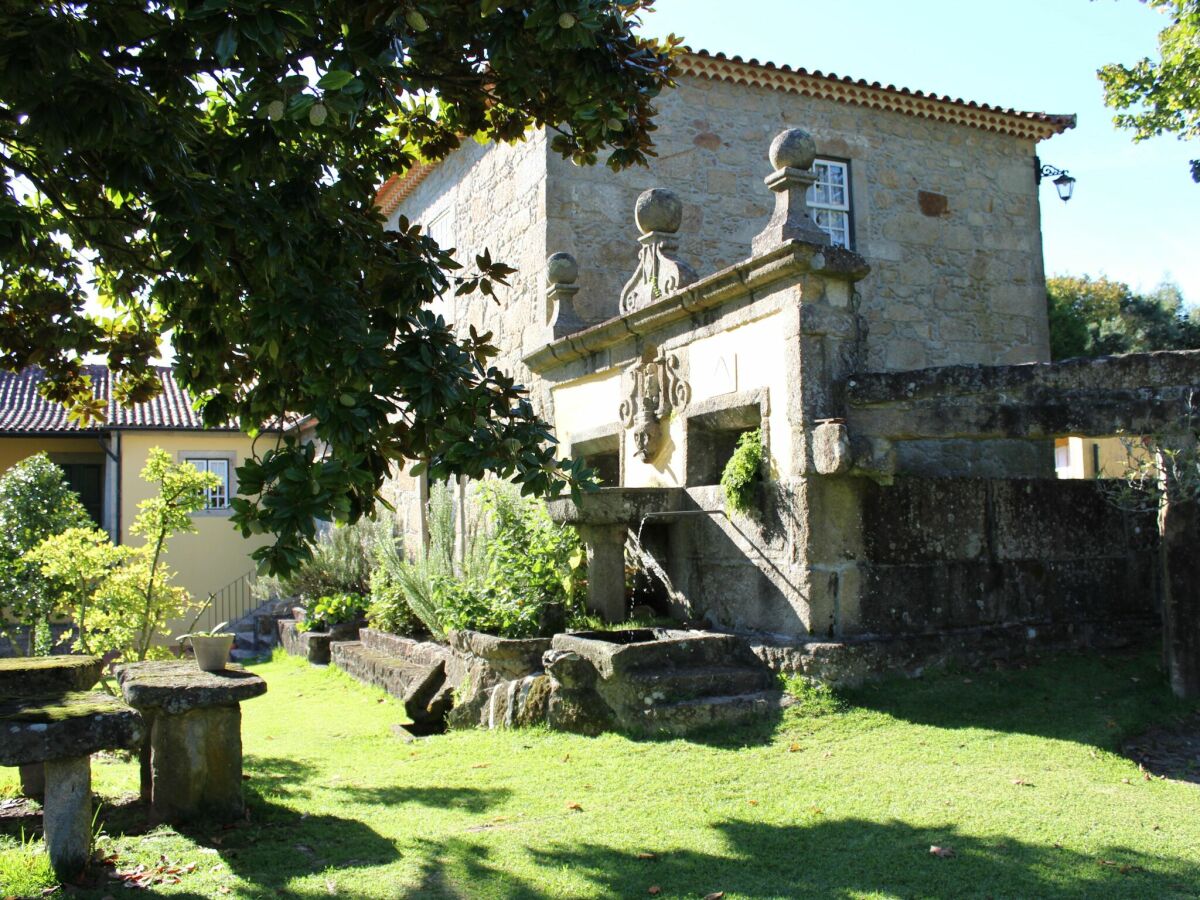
(648,565)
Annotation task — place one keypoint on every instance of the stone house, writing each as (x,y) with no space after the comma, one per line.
(940,196)
(881,318)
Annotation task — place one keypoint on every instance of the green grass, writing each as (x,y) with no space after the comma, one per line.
(1013,770)
(24,867)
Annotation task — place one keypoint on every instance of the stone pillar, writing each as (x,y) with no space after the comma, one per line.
(1179,535)
(562,271)
(606,570)
(67,815)
(33,781)
(825,344)
(196,763)
(791,154)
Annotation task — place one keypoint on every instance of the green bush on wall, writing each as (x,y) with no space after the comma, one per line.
(743,471)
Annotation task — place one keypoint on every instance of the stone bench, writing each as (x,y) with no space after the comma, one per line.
(34,676)
(59,731)
(192,757)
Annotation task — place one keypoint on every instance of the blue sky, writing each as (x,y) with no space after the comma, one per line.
(1134,213)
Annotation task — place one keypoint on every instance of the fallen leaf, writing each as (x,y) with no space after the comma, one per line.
(575,806)
(794,748)
(715,895)
(1021,782)
(480,765)
(654,891)
(752,802)
(941,852)
(567,758)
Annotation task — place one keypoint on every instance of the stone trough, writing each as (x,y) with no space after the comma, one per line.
(656,680)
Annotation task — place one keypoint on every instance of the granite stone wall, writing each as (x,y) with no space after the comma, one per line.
(947,216)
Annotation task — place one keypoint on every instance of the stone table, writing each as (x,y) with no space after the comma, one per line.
(34,676)
(60,731)
(192,758)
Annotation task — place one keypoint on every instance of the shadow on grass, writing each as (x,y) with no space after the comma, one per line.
(852,857)
(275,776)
(1090,698)
(277,844)
(464,799)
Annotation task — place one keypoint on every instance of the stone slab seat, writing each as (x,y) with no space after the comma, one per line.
(31,676)
(60,731)
(192,760)
(179,686)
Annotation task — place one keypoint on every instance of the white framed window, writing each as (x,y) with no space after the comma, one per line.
(829,200)
(221,465)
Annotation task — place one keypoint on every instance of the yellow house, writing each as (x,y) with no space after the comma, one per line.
(102,463)
(1098,457)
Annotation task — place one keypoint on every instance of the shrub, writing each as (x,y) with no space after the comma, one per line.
(121,597)
(35,503)
(334,609)
(341,563)
(743,470)
(518,575)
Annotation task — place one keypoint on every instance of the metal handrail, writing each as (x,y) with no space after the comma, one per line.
(234,600)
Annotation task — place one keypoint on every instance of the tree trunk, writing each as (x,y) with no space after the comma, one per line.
(1179,549)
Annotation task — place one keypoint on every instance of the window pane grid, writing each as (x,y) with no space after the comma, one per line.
(215,497)
(829,200)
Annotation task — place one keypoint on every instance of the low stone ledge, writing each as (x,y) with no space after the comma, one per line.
(509,657)
(34,676)
(65,726)
(177,687)
(855,661)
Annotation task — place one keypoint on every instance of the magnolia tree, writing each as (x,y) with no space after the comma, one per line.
(120,598)
(209,169)
(35,503)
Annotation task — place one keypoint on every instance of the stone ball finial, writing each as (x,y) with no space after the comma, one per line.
(658,210)
(561,268)
(793,149)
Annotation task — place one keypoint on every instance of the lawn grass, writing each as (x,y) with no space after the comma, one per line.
(1012,770)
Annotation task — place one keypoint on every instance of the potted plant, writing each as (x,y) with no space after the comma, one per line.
(211,647)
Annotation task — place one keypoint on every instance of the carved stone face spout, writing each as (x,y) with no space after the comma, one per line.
(655,389)
(647,437)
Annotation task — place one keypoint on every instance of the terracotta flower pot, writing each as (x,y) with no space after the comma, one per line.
(212,651)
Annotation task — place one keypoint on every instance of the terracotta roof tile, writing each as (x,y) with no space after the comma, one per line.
(24,411)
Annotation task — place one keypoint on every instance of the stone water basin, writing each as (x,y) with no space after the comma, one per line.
(651,680)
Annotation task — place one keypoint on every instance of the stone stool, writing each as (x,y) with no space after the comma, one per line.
(60,731)
(192,758)
(35,676)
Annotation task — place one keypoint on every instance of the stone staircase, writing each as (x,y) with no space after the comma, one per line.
(256,633)
(414,671)
(663,681)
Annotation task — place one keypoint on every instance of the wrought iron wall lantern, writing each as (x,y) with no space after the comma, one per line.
(1063,182)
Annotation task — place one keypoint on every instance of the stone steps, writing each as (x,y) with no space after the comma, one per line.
(705,712)
(693,682)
